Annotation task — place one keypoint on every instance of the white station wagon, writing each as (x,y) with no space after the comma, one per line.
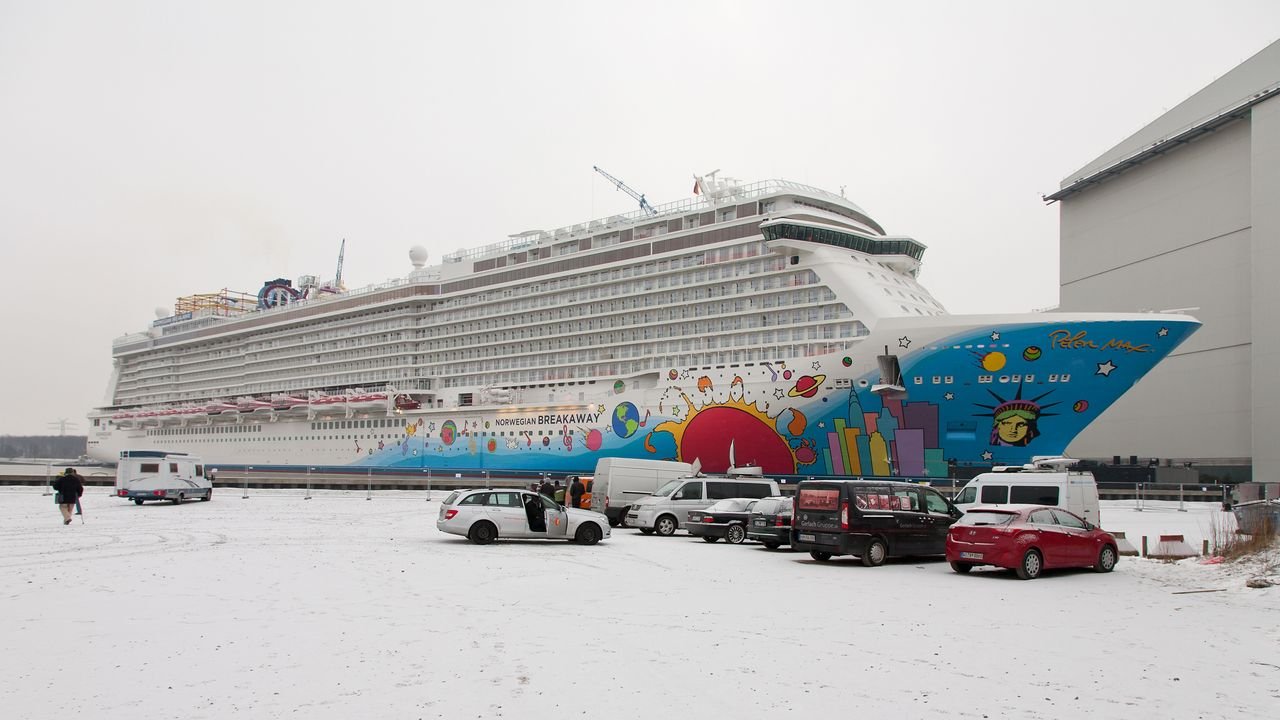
(483,516)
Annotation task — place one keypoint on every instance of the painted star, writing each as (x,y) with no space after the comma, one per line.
(1163,332)
(1105,368)
(817,365)
(949,396)
(987,455)
(995,336)
(904,342)
(777,392)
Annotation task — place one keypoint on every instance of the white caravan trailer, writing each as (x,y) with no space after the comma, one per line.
(621,481)
(143,475)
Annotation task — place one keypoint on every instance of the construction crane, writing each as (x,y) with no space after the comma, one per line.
(644,204)
(337,279)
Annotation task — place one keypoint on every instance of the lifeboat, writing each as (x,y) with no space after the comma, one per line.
(287,402)
(219,406)
(405,402)
(329,400)
(369,401)
(251,404)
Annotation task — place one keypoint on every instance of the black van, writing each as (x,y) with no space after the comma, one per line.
(871,519)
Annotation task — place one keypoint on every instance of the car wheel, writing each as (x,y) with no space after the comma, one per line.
(735,534)
(482,533)
(1106,559)
(666,526)
(773,545)
(819,555)
(875,553)
(137,501)
(646,531)
(708,538)
(207,496)
(1031,565)
(588,534)
(179,499)
(961,568)
(614,522)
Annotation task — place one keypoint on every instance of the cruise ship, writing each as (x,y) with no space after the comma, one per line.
(765,324)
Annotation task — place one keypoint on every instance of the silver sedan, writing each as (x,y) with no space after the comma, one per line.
(483,516)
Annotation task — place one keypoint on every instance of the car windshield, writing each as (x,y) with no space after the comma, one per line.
(669,488)
(987,517)
(730,505)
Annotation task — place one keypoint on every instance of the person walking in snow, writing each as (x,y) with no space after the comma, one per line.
(69,487)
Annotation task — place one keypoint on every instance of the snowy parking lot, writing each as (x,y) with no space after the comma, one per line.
(340,607)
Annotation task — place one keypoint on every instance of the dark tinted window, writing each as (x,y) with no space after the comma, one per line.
(818,498)
(719,490)
(477,499)
(1043,517)
(199,471)
(995,494)
(689,491)
(753,490)
(1067,519)
(149,468)
(935,503)
(905,499)
(1033,494)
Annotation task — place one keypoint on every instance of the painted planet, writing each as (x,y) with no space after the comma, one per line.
(486,424)
(1080,406)
(626,420)
(619,387)
(1031,354)
(847,361)
(786,374)
(673,375)
(993,361)
(448,432)
(807,386)
(546,440)
(493,445)
(594,440)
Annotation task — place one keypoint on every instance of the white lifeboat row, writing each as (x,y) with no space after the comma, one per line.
(248,405)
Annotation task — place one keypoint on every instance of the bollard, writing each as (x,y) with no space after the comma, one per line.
(369,493)
(1144,546)
(246,483)
(1180,507)
(428,472)
(1204,547)
(1137,504)
(309,469)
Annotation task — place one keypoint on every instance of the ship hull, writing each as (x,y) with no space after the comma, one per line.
(978,391)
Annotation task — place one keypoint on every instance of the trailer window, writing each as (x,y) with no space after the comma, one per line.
(1033,494)
(199,471)
(817,499)
(173,467)
(149,468)
(995,494)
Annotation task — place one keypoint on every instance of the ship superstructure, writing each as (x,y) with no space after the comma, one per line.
(755,309)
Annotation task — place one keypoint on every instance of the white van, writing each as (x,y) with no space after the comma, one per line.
(621,481)
(143,475)
(1045,481)
(668,508)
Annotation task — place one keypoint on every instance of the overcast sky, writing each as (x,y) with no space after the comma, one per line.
(152,149)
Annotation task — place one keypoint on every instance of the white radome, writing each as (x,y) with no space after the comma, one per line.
(418,256)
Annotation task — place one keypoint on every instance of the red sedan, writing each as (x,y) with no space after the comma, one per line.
(1028,539)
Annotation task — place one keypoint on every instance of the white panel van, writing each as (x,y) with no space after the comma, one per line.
(1045,481)
(621,481)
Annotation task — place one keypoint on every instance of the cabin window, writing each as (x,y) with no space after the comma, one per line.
(173,467)
(149,468)
(199,471)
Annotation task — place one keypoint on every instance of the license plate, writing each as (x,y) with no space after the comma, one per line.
(971,556)
(758,523)
(806,537)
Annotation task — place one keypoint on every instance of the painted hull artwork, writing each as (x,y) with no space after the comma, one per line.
(994,394)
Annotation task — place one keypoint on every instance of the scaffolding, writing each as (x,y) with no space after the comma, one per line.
(225,302)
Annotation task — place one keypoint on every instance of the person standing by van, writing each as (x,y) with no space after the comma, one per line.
(69,487)
(576,491)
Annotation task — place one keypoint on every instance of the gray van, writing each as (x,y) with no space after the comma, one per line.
(871,519)
(667,509)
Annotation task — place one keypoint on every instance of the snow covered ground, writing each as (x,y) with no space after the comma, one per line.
(338,607)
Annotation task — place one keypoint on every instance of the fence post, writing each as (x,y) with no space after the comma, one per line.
(1144,546)
(1204,547)
(486,480)
(428,471)
(1137,505)
(245,496)
(369,493)
(1180,507)
(48,480)
(309,469)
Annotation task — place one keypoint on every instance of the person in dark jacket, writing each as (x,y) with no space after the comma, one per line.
(546,489)
(69,487)
(575,492)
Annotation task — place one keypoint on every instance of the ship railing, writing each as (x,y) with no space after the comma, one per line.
(713,199)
